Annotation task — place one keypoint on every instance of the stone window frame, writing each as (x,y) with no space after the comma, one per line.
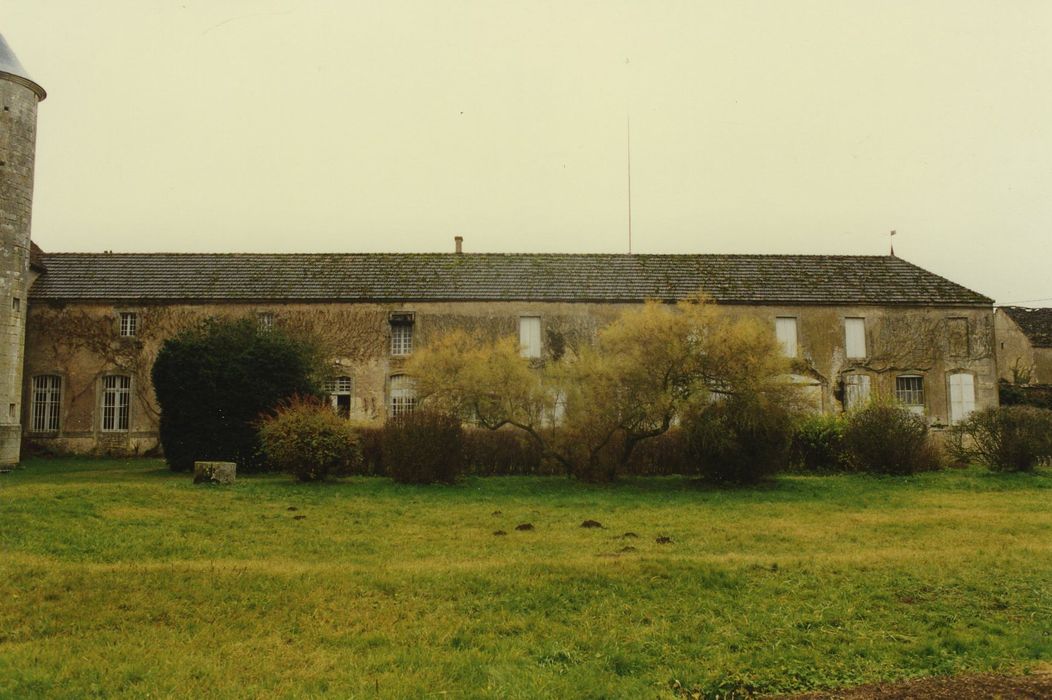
(51,420)
(127,323)
(401,392)
(525,350)
(402,325)
(120,408)
(912,397)
(953,350)
(790,350)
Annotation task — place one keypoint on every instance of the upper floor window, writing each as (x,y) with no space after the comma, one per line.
(402,334)
(403,395)
(855,337)
(785,330)
(909,391)
(957,336)
(530,336)
(116,402)
(340,392)
(265,319)
(47,398)
(129,324)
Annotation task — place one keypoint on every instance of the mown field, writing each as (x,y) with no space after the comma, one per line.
(120,579)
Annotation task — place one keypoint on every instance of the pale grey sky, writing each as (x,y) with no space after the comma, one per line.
(756,127)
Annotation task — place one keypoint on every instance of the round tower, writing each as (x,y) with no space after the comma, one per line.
(19,96)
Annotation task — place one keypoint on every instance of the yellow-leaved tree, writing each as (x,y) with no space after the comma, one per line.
(590,410)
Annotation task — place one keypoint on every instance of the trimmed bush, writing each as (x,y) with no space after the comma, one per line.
(1009,438)
(215,380)
(306,438)
(505,453)
(739,440)
(818,443)
(423,447)
(885,438)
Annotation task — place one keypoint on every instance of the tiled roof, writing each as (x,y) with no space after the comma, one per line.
(748,279)
(1036,324)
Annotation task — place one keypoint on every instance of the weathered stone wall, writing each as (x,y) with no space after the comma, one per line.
(81,344)
(1017,359)
(18,124)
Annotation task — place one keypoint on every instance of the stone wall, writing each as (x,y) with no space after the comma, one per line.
(1017,359)
(81,344)
(18,120)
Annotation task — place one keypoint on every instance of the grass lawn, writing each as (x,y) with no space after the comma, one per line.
(120,579)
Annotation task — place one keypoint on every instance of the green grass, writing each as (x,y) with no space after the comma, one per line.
(120,579)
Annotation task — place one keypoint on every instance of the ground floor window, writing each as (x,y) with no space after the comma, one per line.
(47,398)
(403,395)
(909,391)
(116,402)
(962,396)
(856,391)
(340,392)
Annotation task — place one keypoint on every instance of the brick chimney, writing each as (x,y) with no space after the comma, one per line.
(459,241)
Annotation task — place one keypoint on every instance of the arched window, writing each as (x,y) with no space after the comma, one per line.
(116,402)
(340,390)
(46,403)
(909,391)
(403,395)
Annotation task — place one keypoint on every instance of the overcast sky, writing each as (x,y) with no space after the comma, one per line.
(756,127)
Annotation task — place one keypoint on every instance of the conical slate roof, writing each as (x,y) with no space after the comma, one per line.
(11,69)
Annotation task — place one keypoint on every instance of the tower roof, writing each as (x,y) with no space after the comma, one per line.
(11,69)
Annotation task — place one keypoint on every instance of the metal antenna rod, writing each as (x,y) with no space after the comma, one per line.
(628,133)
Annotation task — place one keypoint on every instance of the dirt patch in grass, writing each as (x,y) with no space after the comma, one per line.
(971,687)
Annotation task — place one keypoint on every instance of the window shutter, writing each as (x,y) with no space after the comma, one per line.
(855,337)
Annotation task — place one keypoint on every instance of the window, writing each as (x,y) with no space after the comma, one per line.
(855,337)
(47,398)
(16,305)
(265,320)
(962,396)
(530,336)
(339,390)
(129,323)
(909,390)
(403,395)
(856,391)
(401,334)
(116,402)
(957,336)
(785,330)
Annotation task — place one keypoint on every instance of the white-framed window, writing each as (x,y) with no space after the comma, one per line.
(403,395)
(855,337)
(265,319)
(129,324)
(402,333)
(962,396)
(47,402)
(856,391)
(785,331)
(909,391)
(116,402)
(340,390)
(530,336)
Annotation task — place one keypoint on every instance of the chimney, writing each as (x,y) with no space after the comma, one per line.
(459,240)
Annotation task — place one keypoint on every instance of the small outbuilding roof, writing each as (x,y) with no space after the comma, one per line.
(389,277)
(11,68)
(1036,324)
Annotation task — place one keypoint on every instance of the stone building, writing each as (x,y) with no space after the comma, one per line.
(1024,344)
(854,325)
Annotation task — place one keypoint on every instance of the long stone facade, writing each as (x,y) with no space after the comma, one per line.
(841,354)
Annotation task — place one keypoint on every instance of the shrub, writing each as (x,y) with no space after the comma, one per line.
(505,453)
(215,380)
(818,443)
(661,455)
(307,439)
(739,440)
(1009,438)
(423,447)
(885,438)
